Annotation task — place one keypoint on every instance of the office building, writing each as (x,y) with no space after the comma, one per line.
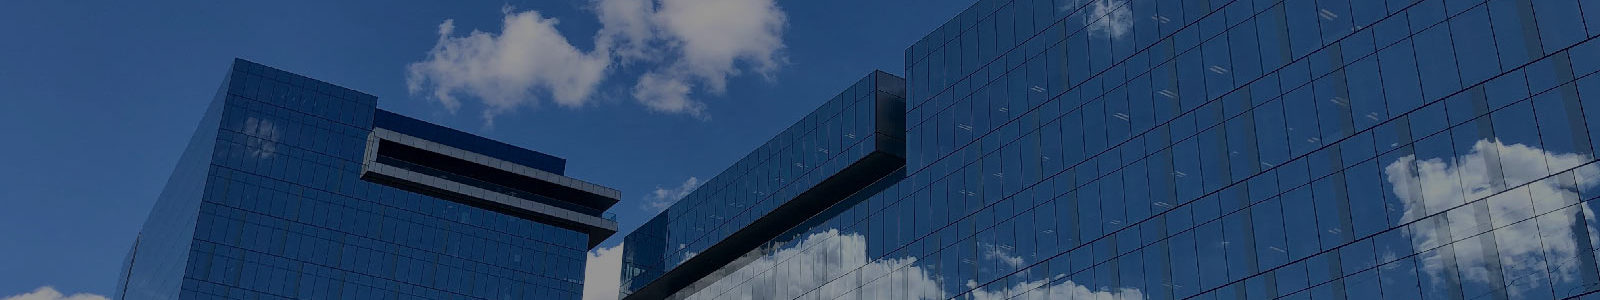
(845,151)
(293,188)
(1250,149)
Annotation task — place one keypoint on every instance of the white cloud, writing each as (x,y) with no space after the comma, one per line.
(1001,253)
(50,293)
(666,94)
(602,278)
(1109,17)
(1036,289)
(838,264)
(1428,186)
(627,29)
(661,198)
(688,44)
(814,262)
(263,137)
(1062,289)
(713,35)
(508,69)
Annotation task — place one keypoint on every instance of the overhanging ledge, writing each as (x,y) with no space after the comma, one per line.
(446,172)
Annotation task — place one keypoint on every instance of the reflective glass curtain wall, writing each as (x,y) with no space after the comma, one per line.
(1244,149)
(267,203)
(851,141)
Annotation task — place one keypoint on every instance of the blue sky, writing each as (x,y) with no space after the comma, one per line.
(97,98)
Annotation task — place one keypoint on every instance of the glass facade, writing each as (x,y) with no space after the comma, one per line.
(268,202)
(1213,149)
(849,134)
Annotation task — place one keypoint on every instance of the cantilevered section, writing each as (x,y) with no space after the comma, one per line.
(490,181)
(467,141)
(852,142)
